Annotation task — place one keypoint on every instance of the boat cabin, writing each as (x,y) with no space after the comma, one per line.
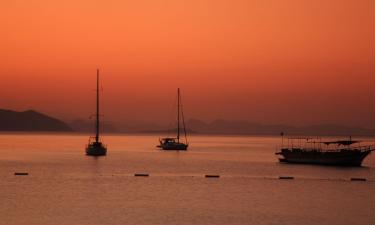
(172,144)
(169,140)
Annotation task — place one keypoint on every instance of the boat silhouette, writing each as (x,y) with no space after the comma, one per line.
(175,143)
(314,151)
(95,147)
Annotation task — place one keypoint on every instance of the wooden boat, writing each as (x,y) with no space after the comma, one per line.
(336,153)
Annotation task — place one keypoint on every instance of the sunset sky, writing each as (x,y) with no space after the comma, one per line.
(269,61)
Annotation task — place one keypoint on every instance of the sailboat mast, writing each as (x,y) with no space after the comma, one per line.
(97,106)
(178,114)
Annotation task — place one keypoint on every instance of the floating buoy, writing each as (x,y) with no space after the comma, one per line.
(141,175)
(358,179)
(212,176)
(20,174)
(286,178)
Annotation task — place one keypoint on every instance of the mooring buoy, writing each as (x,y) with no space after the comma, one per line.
(141,175)
(358,179)
(21,174)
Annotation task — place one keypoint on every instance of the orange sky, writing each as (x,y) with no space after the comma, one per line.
(271,61)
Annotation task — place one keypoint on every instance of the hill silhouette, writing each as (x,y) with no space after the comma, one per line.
(226,127)
(30,120)
(249,128)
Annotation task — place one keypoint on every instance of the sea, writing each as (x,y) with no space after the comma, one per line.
(64,186)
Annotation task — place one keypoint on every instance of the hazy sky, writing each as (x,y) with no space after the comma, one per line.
(270,61)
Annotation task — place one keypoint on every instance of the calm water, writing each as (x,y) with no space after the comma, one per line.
(67,187)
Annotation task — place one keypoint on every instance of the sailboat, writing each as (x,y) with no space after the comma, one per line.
(175,142)
(95,146)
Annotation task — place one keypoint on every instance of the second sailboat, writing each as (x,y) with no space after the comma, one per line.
(171,143)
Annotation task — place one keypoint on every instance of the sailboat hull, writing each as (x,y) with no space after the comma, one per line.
(174,147)
(96,149)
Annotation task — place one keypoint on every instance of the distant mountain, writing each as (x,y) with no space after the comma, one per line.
(167,131)
(224,127)
(86,126)
(30,120)
(248,128)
